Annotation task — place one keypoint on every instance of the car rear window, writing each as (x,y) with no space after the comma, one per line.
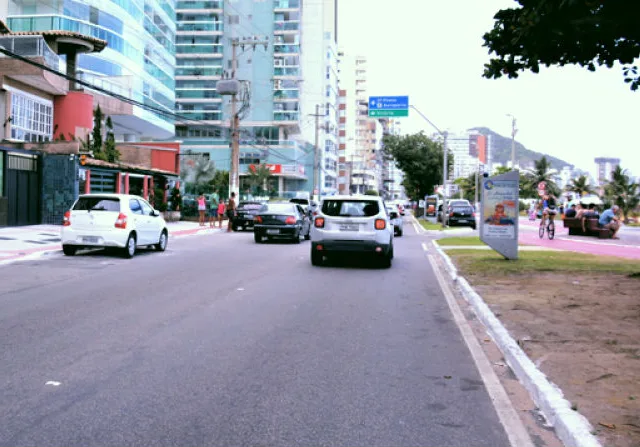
(284,208)
(350,208)
(249,206)
(97,204)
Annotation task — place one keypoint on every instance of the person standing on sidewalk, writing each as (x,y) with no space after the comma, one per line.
(231,211)
(221,211)
(202,208)
(213,211)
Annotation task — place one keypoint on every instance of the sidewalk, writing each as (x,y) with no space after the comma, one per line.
(33,240)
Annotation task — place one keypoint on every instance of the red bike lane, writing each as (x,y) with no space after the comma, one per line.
(580,244)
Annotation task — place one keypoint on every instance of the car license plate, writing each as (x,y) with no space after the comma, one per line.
(462,220)
(273,231)
(90,239)
(349,227)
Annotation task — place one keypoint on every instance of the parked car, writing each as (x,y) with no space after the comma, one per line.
(352,224)
(396,221)
(281,221)
(309,206)
(401,209)
(246,212)
(113,220)
(462,215)
(450,204)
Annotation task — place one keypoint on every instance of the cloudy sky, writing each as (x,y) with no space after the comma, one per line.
(432,51)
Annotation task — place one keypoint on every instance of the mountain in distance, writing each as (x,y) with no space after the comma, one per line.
(501,151)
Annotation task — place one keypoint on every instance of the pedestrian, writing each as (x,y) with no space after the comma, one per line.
(202,208)
(609,219)
(231,211)
(213,210)
(221,211)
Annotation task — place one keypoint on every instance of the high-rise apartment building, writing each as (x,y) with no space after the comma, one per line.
(604,167)
(138,62)
(282,85)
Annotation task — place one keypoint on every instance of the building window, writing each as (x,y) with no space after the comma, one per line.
(31,117)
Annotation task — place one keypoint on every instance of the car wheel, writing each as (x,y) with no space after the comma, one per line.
(69,250)
(234,227)
(257,237)
(400,231)
(473,227)
(163,241)
(244,228)
(308,235)
(296,237)
(130,247)
(316,257)
(385,262)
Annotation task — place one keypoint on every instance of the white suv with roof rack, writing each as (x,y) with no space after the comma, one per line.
(352,224)
(113,220)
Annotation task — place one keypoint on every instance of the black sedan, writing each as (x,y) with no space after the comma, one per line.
(246,212)
(281,221)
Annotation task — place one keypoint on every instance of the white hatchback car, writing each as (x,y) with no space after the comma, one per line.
(113,220)
(352,224)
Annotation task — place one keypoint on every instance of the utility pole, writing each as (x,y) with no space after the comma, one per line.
(445,168)
(316,154)
(233,89)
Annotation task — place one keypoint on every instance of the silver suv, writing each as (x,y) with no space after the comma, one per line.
(352,224)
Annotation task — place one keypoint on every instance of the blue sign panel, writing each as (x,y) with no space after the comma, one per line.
(388,103)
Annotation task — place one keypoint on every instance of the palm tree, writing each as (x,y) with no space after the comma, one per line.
(542,172)
(196,173)
(622,192)
(257,178)
(580,186)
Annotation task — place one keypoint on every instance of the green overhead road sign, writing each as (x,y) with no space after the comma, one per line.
(378,113)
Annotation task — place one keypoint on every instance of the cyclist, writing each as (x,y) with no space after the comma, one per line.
(549,207)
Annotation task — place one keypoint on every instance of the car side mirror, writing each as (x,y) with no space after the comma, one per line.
(155,213)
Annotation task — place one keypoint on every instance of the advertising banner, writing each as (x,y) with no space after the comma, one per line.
(499,213)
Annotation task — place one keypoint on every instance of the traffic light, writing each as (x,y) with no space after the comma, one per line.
(83,159)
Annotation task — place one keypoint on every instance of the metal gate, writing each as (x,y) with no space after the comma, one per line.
(22,189)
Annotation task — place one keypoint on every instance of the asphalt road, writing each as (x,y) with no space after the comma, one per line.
(220,341)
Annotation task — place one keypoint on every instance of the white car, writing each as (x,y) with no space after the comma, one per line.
(396,221)
(113,220)
(352,224)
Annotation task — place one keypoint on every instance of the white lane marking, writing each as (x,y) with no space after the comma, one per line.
(425,247)
(240,289)
(513,426)
(53,383)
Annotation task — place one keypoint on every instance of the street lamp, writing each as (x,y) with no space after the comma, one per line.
(513,140)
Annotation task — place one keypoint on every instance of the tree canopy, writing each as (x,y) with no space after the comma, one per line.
(420,158)
(587,33)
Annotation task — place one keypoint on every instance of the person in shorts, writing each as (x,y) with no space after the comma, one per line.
(202,209)
(549,206)
(231,211)
(221,211)
(609,219)
(213,211)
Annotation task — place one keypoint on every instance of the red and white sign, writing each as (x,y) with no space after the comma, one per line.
(274,169)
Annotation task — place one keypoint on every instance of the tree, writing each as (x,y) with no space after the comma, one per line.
(111,152)
(257,178)
(96,134)
(420,158)
(580,186)
(577,32)
(220,183)
(527,186)
(622,191)
(541,172)
(468,186)
(196,173)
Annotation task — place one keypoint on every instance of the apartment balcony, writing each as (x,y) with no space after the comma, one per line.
(36,49)
(288,116)
(286,72)
(203,49)
(286,27)
(200,27)
(202,5)
(199,115)
(197,94)
(286,5)
(286,95)
(286,48)
(198,71)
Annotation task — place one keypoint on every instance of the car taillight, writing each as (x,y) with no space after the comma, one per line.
(66,220)
(290,220)
(473,214)
(257,219)
(121,221)
(451,214)
(380,224)
(319,222)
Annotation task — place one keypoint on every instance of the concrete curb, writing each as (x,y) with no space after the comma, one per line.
(573,429)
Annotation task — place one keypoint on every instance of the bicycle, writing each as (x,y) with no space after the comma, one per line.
(551,227)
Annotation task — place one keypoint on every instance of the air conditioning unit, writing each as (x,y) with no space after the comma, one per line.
(278,63)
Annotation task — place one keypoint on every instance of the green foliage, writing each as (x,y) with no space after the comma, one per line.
(112,154)
(421,159)
(197,172)
(576,32)
(257,179)
(96,134)
(468,187)
(371,192)
(622,191)
(580,186)
(541,172)
(176,199)
(219,184)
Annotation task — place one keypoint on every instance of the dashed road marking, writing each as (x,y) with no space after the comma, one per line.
(53,383)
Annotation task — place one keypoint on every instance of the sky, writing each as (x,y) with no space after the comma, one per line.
(432,51)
